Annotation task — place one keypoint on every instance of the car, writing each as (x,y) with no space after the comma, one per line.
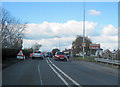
(60,56)
(37,54)
(67,54)
(48,54)
(43,54)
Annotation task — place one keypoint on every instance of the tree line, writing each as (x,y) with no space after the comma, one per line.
(11,30)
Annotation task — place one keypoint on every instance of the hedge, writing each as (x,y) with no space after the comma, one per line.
(9,53)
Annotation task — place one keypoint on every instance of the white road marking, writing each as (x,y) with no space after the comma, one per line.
(65,74)
(57,74)
(40,75)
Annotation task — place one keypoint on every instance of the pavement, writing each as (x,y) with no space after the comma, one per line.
(48,72)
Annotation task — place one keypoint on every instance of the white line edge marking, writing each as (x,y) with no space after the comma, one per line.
(64,74)
(57,73)
(40,75)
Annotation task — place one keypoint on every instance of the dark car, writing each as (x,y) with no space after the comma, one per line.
(60,56)
(49,54)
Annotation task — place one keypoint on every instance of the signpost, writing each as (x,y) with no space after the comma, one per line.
(83,44)
(20,55)
(19,41)
(94,47)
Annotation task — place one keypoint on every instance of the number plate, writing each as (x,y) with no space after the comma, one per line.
(61,58)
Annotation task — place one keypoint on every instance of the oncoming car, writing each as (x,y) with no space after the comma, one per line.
(61,56)
(37,54)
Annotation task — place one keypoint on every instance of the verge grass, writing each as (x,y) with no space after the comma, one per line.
(86,58)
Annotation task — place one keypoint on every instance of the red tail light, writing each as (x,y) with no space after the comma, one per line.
(33,54)
(41,54)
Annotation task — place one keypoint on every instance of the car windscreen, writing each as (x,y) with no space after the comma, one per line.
(49,53)
(60,53)
(37,52)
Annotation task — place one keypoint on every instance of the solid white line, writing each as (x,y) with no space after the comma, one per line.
(40,75)
(64,74)
(57,73)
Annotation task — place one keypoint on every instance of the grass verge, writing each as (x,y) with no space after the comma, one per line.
(86,58)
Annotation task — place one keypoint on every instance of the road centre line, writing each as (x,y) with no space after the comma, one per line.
(65,74)
(40,75)
(58,74)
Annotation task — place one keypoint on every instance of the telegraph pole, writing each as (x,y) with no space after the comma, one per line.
(84,29)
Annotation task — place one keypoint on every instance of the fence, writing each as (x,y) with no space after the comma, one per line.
(114,62)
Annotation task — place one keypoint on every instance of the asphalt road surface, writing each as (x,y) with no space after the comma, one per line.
(51,72)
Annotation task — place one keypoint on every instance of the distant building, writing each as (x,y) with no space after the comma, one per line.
(68,52)
(118,54)
(106,54)
(95,50)
(114,55)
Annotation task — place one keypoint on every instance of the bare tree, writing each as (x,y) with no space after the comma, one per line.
(36,46)
(11,30)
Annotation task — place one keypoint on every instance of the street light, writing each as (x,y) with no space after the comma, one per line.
(84,29)
(59,40)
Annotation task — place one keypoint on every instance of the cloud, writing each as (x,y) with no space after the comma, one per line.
(44,34)
(110,30)
(108,37)
(48,30)
(94,12)
(49,44)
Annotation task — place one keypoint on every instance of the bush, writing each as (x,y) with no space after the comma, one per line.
(27,52)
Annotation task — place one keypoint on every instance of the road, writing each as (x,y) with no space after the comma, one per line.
(51,72)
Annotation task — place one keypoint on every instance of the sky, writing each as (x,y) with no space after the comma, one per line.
(45,20)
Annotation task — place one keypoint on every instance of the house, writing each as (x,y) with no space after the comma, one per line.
(106,54)
(95,50)
(117,54)
(114,55)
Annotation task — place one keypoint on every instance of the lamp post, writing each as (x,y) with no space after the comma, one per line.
(84,29)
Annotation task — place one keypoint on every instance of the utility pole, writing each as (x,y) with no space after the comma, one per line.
(84,29)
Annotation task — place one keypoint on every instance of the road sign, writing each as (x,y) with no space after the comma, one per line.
(94,46)
(19,41)
(20,55)
(83,44)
